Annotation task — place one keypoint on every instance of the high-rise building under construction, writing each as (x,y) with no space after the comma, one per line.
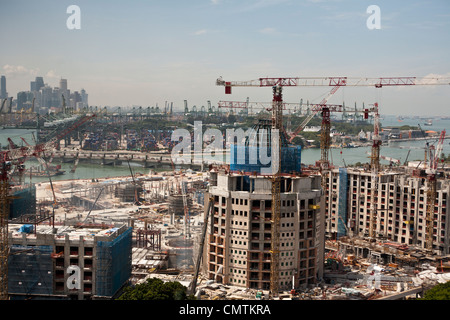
(238,246)
(401,203)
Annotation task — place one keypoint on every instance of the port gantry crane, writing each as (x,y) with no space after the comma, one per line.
(277,113)
(9,159)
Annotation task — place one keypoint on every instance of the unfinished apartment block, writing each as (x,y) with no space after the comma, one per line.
(400,202)
(42,262)
(238,245)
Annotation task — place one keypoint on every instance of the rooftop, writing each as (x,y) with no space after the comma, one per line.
(19,230)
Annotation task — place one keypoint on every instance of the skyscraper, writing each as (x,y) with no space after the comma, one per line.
(22,98)
(3,93)
(63,84)
(84,98)
(39,83)
(63,90)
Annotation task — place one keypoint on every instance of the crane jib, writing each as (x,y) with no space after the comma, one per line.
(334,82)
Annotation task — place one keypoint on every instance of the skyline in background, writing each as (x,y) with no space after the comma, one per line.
(148,52)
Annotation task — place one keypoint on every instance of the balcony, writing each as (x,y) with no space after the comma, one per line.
(60,262)
(74,251)
(255,228)
(88,264)
(87,276)
(59,275)
(254,256)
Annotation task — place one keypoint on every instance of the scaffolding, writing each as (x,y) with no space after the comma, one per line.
(149,239)
(4,248)
(30,270)
(342,209)
(248,159)
(113,263)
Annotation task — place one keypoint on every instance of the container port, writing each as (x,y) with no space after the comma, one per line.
(236,152)
(155,224)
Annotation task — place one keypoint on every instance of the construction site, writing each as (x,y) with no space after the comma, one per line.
(244,230)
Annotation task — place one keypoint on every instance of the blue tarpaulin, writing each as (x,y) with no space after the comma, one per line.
(254,159)
(26,228)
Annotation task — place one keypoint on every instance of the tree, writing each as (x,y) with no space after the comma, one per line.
(298,141)
(438,292)
(231,118)
(156,289)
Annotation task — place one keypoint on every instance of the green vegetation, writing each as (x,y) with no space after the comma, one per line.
(352,128)
(439,292)
(315,136)
(298,141)
(156,122)
(344,127)
(406,127)
(156,289)
(445,158)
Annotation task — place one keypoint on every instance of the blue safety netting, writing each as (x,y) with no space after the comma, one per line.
(342,208)
(113,264)
(30,270)
(259,160)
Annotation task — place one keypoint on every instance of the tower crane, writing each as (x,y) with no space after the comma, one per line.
(277,126)
(325,141)
(268,105)
(335,82)
(8,159)
(375,167)
(324,108)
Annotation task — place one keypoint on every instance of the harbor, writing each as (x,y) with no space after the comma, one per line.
(110,189)
(206,156)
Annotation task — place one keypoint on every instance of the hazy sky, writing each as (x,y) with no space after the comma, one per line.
(152,51)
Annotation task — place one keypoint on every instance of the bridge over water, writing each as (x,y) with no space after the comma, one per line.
(148,160)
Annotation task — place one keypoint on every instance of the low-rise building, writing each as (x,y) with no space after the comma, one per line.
(68,262)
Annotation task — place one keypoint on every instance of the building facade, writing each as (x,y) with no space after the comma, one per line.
(400,202)
(77,264)
(237,251)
